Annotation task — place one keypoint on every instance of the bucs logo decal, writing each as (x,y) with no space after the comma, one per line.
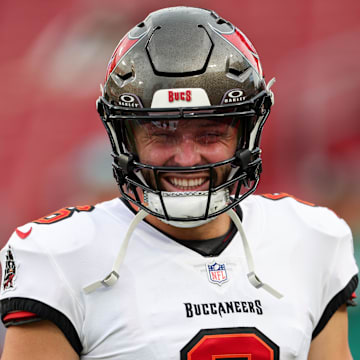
(9,271)
(179,95)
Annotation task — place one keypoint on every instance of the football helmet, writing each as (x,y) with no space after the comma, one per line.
(181,70)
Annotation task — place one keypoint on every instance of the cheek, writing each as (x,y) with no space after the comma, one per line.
(219,152)
(153,155)
(147,151)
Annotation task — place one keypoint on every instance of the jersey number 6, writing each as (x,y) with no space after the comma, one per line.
(241,343)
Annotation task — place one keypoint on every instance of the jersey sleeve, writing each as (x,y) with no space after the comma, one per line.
(341,275)
(34,287)
(324,265)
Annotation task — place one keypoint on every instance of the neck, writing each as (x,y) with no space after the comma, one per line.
(215,228)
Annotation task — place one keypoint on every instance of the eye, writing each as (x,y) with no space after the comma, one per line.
(162,136)
(208,137)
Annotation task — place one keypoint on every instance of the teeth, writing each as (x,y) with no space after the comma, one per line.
(186,183)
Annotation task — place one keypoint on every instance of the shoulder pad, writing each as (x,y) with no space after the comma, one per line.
(316,217)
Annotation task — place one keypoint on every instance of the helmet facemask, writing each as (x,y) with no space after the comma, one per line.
(141,168)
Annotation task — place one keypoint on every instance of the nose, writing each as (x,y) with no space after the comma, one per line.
(187,153)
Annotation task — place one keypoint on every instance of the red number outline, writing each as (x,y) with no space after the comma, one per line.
(245,338)
(62,214)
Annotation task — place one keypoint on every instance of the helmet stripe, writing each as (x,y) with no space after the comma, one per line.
(242,43)
(123,47)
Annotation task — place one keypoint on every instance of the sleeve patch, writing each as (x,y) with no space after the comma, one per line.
(10,270)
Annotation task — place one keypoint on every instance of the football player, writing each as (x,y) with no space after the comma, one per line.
(187,263)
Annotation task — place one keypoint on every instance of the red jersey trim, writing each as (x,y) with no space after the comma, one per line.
(279,196)
(19,315)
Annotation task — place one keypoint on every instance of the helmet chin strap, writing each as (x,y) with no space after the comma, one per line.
(253,278)
(113,276)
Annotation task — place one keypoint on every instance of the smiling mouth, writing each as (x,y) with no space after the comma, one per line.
(186,184)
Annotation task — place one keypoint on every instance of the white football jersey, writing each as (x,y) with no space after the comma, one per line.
(172,303)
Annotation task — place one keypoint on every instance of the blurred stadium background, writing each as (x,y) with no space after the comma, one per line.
(54,151)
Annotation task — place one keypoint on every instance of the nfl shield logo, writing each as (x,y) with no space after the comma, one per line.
(217,273)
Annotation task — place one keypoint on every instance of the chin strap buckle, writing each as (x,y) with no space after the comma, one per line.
(254,280)
(257,283)
(111,279)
